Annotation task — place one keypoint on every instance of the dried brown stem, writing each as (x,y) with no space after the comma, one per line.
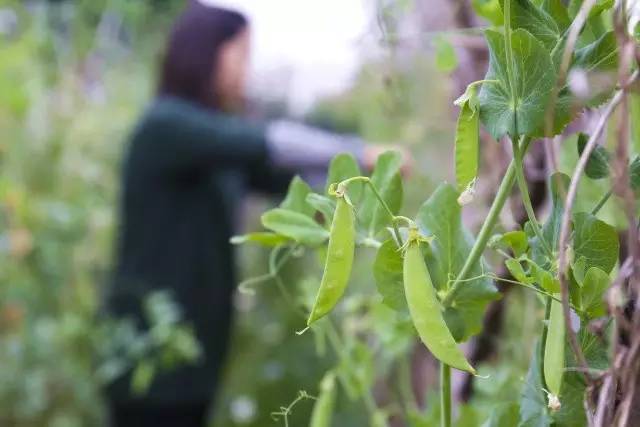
(566,217)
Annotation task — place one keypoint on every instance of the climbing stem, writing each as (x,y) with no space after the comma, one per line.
(445,395)
(602,202)
(519,150)
(485,232)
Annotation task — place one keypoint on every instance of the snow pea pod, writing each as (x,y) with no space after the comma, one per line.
(426,312)
(554,349)
(323,408)
(337,268)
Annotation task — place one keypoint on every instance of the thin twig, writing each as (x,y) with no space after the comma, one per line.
(566,217)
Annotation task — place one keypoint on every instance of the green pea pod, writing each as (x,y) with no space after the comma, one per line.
(337,268)
(426,312)
(323,408)
(554,349)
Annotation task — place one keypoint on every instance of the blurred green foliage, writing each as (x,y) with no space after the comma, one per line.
(74,75)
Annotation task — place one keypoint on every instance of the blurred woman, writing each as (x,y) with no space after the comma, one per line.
(190,161)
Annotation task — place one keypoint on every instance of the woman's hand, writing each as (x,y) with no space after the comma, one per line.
(372,151)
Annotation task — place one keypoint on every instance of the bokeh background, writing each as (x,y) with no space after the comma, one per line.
(74,77)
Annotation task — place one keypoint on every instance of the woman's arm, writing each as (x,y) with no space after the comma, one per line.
(178,136)
(299,148)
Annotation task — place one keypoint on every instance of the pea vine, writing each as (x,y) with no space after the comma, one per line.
(431,270)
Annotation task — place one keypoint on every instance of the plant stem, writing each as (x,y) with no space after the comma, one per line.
(485,232)
(518,154)
(602,202)
(445,395)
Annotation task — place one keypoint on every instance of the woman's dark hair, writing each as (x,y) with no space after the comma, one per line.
(191,57)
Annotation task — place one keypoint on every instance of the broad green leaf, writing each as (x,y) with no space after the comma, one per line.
(455,323)
(598,162)
(489,10)
(263,238)
(596,241)
(517,241)
(528,16)
(601,55)
(325,205)
(533,402)
(518,107)
(446,59)
(467,145)
(345,166)
(594,286)
(296,199)
(386,178)
(295,225)
(558,11)
(516,270)
(387,271)
(634,174)
(545,279)
(439,217)
(599,7)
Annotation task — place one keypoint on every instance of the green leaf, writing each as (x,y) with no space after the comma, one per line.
(541,25)
(545,279)
(517,241)
(489,10)
(325,205)
(439,216)
(601,55)
(533,402)
(142,377)
(594,286)
(455,323)
(386,178)
(387,271)
(558,11)
(598,162)
(446,59)
(599,7)
(296,199)
(295,225)
(345,166)
(596,241)
(516,270)
(263,238)
(467,143)
(521,110)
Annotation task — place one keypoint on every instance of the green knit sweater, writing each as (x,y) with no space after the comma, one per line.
(185,172)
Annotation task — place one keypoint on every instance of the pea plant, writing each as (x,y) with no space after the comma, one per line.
(429,268)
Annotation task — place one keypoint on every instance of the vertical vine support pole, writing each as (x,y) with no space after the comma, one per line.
(445,395)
